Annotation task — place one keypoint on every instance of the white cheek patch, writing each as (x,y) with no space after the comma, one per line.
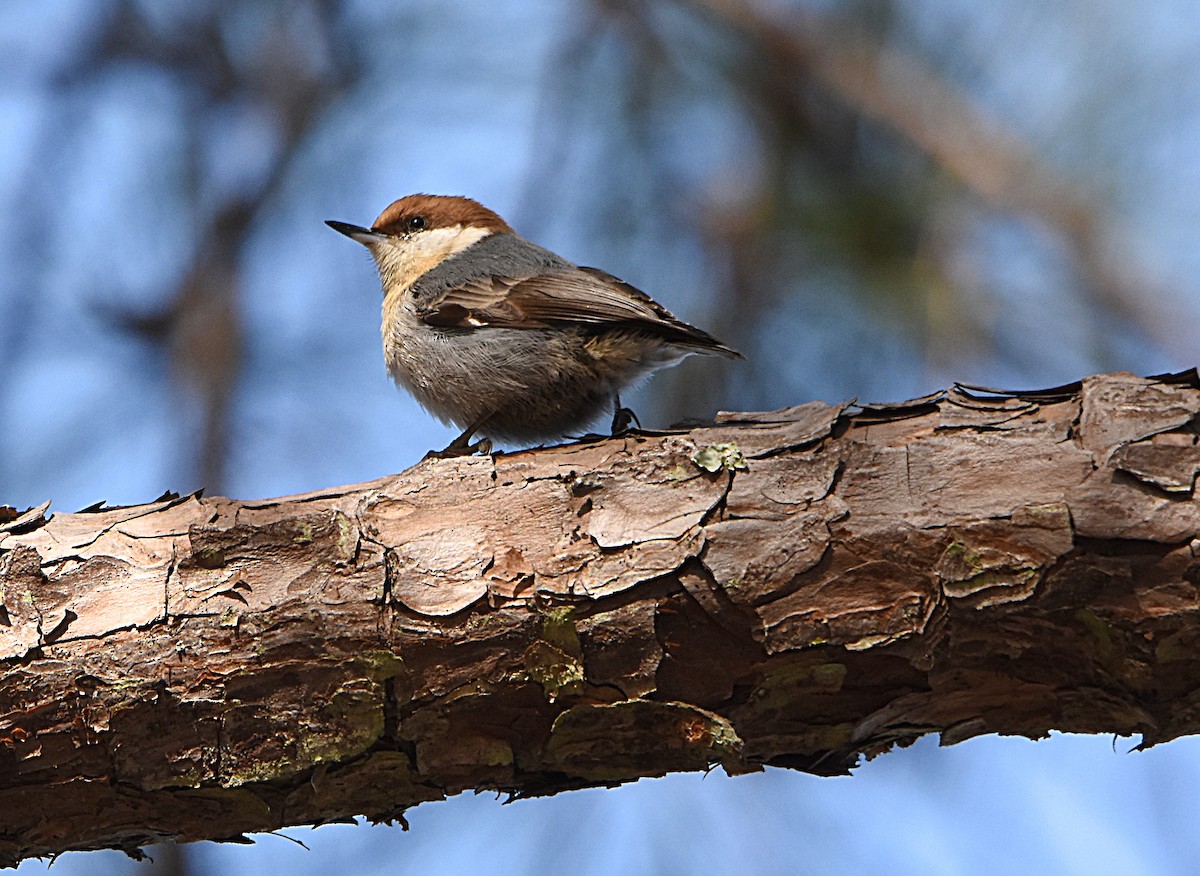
(404,258)
(459,238)
(423,246)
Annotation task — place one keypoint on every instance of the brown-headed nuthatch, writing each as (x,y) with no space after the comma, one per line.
(501,337)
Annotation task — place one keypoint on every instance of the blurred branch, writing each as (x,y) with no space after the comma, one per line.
(285,82)
(794,588)
(899,90)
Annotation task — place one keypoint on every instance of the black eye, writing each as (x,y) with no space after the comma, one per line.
(415,223)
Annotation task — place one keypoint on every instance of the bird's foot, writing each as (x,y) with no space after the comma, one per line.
(461,446)
(623,418)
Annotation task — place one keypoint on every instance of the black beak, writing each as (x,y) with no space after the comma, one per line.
(365,236)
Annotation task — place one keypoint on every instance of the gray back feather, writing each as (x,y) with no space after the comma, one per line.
(500,255)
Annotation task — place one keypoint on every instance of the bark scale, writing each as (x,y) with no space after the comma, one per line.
(794,588)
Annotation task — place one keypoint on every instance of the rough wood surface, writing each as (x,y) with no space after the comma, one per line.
(793,588)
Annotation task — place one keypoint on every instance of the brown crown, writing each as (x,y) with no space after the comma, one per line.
(438,211)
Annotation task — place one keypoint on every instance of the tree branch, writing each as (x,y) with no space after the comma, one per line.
(794,589)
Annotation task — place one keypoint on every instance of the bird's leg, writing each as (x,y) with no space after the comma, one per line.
(462,445)
(622,417)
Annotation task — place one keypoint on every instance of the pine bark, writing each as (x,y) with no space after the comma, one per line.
(796,588)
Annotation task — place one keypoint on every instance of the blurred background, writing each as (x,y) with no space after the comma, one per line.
(869,198)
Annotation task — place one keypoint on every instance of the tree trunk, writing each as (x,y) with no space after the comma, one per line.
(793,588)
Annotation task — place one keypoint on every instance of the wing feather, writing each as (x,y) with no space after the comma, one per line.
(568,295)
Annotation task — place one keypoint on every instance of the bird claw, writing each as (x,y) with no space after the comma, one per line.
(461,447)
(623,418)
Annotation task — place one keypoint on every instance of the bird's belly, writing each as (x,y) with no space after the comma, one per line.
(519,383)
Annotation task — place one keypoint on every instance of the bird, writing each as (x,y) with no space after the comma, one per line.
(505,339)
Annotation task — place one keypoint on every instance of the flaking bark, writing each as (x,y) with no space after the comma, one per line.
(794,588)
